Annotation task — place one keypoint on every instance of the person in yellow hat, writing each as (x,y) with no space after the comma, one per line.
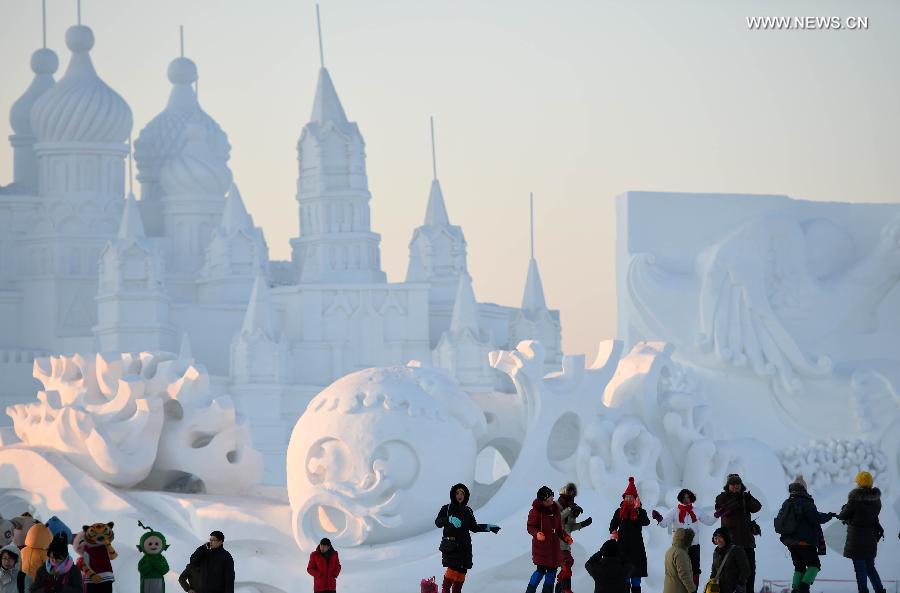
(860,514)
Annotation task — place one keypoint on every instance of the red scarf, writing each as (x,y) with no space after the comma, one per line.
(686,509)
(628,511)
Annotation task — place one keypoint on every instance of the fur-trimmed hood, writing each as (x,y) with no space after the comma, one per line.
(864,495)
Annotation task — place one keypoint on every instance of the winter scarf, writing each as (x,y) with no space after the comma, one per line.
(628,511)
(55,568)
(686,509)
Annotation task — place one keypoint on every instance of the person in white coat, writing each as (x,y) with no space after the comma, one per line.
(686,516)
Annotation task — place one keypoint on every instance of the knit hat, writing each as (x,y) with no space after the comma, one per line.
(864,479)
(691,495)
(798,485)
(59,547)
(325,542)
(733,479)
(631,489)
(544,493)
(721,531)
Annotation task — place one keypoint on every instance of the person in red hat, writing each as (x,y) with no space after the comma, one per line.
(627,522)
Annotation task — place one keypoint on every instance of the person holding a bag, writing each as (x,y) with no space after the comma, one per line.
(860,514)
(735,506)
(800,524)
(458,523)
(679,578)
(730,568)
(546,530)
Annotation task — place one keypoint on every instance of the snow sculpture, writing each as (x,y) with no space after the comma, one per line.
(784,291)
(374,450)
(146,418)
(835,461)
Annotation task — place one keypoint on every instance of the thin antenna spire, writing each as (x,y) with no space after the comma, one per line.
(79,11)
(181,38)
(130,167)
(44,20)
(319,27)
(433,153)
(531,223)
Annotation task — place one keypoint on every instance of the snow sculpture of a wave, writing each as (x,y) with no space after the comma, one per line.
(145,419)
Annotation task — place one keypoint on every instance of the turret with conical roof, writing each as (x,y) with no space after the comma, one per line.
(437,255)
(463,349)
(335,243)
(132,304)
(237,252)
(259,352)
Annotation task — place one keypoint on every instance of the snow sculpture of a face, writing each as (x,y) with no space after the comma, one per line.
(372,456)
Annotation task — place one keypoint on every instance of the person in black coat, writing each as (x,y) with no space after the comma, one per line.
(729,563)
(627,522)
(805,538)
(860,514)
(736,506)
(458,523)
(214,565)
(608,569)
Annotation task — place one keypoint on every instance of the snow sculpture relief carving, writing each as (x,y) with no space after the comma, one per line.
(147,419)
(777,295)
(833,462)
(362,462)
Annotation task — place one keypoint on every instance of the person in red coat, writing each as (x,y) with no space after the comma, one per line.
(324,566)
(546,530)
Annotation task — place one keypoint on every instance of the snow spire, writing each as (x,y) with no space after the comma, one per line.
(327,106)
(531,220)
(259,310)
(465,309)
(132,226)
(235,216)
(436,212)
(533,298)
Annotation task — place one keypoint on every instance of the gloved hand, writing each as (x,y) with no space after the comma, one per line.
(719,513)
(577,509)
(655,514)
(568,539)
(614,535)
(494,528)
(540,536)
(587,522)
(456,522)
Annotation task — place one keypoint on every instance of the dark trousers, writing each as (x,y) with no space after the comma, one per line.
(104,587)
(865,569)
(694,555)
(804,557)
(751,559)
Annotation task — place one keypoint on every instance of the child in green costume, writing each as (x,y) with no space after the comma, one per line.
(152,566)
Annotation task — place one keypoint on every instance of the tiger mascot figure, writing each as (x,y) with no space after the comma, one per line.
(97,558)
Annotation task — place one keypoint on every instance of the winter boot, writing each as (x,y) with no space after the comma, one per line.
(531,588)
(547,588)
(635,589)
(803,587)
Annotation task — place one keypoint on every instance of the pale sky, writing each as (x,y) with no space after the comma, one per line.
(577,101)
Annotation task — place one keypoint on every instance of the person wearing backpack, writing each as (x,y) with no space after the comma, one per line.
(800,524)
(730,567)
(860,514)
(735,506)
(679,578)
(457,522)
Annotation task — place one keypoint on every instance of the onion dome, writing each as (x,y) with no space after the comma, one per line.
(198,170)
(44,64)
(81,107)
(163,138)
